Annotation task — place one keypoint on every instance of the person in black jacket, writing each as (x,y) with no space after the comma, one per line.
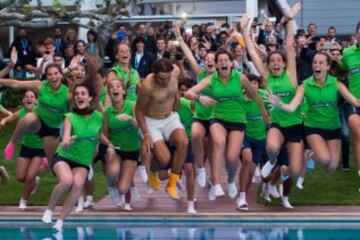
(26,57)
(59,41)
(141,60)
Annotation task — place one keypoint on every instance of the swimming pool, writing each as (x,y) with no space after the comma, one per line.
(83,229)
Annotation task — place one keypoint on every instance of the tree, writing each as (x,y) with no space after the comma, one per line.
(33,14)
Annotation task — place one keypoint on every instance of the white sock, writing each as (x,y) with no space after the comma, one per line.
(300,180)
(89,198)
(359,173)
(191,204)
(242,197)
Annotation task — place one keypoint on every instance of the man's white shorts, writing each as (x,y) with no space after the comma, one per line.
(161,129)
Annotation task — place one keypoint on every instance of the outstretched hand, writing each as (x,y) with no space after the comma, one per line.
(292,12)
(13,56)
(272,98)
(244,23)
(69,142)
(176,29)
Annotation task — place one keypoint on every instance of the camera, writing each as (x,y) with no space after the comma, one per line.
(179,55)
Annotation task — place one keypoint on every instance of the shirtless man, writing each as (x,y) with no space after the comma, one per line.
(158,100)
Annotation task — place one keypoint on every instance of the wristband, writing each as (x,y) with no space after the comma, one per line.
(197,97)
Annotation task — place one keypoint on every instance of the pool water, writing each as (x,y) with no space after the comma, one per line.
(241,230)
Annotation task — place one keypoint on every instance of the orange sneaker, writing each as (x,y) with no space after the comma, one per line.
(153,181)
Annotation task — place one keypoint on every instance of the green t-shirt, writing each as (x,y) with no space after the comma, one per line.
(230,105)
(186,115)
(87,130)
(322,111)
(255,125)
(123,134)
(202,112)
(131,80)
(30,140)
(351,63)
(52,105)
(282,87)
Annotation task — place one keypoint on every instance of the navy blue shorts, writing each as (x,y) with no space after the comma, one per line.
(71,163)
(293,133)
(189,155)
(128,155)
(101,154)
(46,131)
(324,133)
(229,126)
(258,149)
(27,152)
(349,110)
(205,123)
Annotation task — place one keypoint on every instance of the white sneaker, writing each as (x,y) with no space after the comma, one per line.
(36,185)
(149,189)
(273,191)
(191,210)
(267,168)
(242,206)
(212,195)
(265,192)
(114,195)
(135,194)
(201,177)
(232,191)
(80,205)
(22,204)
(143,174)
(58,226)
(286,203)
(299,183)
(89,203)
(191,207)
(127,207)
(215,191)
(46,218)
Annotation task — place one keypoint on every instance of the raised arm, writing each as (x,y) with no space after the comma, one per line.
(67,139)
(289,44)
(12,83)
(11,65)
(10,118)
(244,23)
(293,105)
(193,93)
(186,50)
(104,139)
(347,95)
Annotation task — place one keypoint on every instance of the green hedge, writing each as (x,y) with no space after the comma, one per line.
(11,97)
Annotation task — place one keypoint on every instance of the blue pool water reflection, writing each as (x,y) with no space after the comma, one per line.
(182,230)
